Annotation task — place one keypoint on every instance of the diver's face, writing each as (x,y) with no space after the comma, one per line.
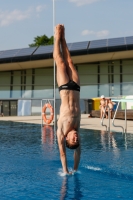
(72,136)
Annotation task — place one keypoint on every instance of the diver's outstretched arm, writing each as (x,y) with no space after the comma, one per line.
(77,153)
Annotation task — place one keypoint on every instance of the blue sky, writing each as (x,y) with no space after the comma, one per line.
(84,20)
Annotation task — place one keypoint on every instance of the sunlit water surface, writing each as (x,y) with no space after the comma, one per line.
(30,166)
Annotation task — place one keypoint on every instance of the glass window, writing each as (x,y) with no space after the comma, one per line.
(57,93)
(116,89)
(24,107)
(17,78)
(29,72)
(4,92)
(43,92)
(103,68)
(116,78)
(87,69)
(127,62)
(104,78)
(88,79)
(116,69)
(36,107)
(127,69)
(104,90)
(27,93)
(16,92)
(29,79)
(127,78)
(88,91)
(5,78)
(43,80)
(44,71)
(127,88)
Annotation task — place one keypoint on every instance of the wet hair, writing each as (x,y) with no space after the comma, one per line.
(72,146)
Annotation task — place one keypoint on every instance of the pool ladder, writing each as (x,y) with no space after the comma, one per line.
(108,128)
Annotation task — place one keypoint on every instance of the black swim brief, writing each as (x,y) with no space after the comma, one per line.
(71,85)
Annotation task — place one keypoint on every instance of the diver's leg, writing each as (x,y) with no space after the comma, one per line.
(62,77)
(71,70)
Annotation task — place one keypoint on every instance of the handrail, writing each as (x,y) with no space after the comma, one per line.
(116,100)
(114,118)
(103,118)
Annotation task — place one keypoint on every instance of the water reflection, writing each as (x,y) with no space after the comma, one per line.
(47,135)
(108,139)
(71,187)
(64,188)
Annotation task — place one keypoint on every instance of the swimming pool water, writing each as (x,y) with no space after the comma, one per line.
(30,166)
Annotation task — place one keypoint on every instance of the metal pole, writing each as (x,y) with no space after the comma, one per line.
(125,117)
(109,120)
(41,115)
(54,68)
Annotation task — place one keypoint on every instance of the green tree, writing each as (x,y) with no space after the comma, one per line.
(42,40)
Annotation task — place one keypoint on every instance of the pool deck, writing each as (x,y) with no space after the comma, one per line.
(86,123)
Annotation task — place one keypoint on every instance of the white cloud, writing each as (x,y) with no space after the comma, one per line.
(8,17)
(102,33)
(99,34)
(87,32)
(40,8)
(83,2)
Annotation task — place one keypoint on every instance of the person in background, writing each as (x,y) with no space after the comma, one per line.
(111,106)
(103,104)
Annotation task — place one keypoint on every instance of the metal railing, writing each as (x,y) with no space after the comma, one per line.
(114,118)
(106,109)
(124,128)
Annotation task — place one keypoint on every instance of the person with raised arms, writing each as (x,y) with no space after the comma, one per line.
(69,88)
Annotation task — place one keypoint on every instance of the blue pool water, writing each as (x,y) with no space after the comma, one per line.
(30,166)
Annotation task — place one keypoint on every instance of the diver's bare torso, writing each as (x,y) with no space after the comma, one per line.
(69,111)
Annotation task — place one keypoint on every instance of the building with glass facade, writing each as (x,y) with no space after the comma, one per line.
(105,67)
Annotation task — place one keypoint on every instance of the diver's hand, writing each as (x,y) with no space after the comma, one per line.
(69,173)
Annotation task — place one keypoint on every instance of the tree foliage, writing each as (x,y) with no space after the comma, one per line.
(42,40)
